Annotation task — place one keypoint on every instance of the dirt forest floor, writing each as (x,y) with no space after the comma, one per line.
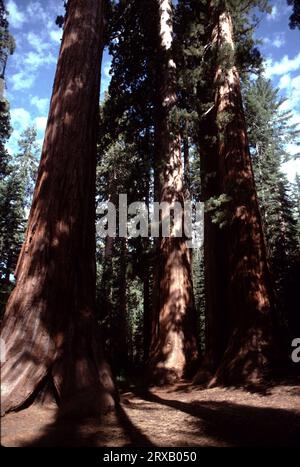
(179,416)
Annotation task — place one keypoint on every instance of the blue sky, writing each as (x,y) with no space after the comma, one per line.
(30,71)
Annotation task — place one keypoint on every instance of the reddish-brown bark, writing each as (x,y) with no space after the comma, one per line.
(215,273)
(49,329)
(174,346)
(248,353)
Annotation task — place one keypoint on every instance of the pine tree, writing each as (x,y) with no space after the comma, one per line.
(269,131)
(295,16)
(293,268)
(114,178)
(26,163)
(49,329)
(12,227)
(11,218)
(15,199)
(7,42)
(5,131)
(296,197)
(124,165)
(7,47)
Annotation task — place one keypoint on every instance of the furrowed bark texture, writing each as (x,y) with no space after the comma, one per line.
(215,257)
(174,346)
(249,295)
(49,329)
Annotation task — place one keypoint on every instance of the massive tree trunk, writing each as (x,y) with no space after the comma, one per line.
(174,346)
(215,261)
(49,331)
(249,296)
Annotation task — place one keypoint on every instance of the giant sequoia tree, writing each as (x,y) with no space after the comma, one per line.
(173,349)
(248,293)
(49,331)
(214,49)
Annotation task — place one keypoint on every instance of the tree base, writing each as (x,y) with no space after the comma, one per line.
(163,376)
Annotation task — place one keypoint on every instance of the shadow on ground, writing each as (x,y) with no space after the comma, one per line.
(238,424)
(183,416)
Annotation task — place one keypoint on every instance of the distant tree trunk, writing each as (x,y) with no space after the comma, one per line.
(215,268)
(146,270)
(50,331)
(146,315)
(174,347)
(121,336)
(249,295)
(186,161)
(105,292)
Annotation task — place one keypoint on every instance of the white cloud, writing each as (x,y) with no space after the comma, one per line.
(291,88)
(291,168)
(27,64)
(105,76)
(106,69)
(56,35)
(35,60)
(285,81)
(276,40)
(283,66)
(37,43)
(40,103)
(279,40)
(295,119)
(46,12)
(35,10)
(22,80)
(274,15)
(40,123)
(16,17)
(20,118)
(40,142)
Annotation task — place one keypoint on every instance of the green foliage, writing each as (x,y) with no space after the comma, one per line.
(295,16)
(16,189)
(219,209)
(5,131)
(12,225)
(296,202)
(125,163)
(7,42)
(135,320)
(269,131)
(7,46)
(199,292)
(26,163)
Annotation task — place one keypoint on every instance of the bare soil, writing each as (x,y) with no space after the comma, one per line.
(183,415)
